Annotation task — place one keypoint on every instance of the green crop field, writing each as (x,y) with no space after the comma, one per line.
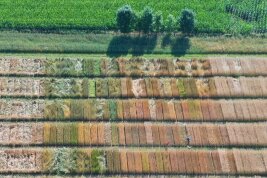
(212,15)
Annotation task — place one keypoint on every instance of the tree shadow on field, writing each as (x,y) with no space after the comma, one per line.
(144,44)
(180,46)
(136,45)
(119,45)
(166,40)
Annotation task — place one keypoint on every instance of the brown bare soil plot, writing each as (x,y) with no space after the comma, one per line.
(234,87)
(138,162)
(142,134)
(228,110)
(123,161)
(179,110)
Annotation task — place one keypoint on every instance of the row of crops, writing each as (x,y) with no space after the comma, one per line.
(135,117)
(134,134)
(250,11)
(66,67)
(125,161)
(134,87)
(134,110)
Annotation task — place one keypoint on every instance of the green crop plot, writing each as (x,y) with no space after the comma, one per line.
(212,15)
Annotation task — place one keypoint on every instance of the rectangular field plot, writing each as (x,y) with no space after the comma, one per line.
(129,134)
(237,161)
(134,110)
(133,117)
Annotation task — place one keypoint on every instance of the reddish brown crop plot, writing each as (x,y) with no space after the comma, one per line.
(134,117)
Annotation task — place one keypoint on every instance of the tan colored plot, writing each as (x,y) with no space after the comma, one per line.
(245,109)
(152,162)
(263,84)
(155,134)
(138,162)
(165,109)
(166,162)
(205,110)
(240,137)
(238,161)
(131,162)
(139,109)
(146,110)
(126,110)
(116,161)
(167,87)
(232,162)
(135,134)
(179,134)
(155,86)
(181,160)
(228,110)
(124,89)
(213,67)
(149,87)
(94,134)
(110,161)
(38,133)
(178,110)
(238,110)
(231,134)
(162,134)
(133,114)
(260,109)
(224,135)
(159,109)
(107,131)
(216,162)
(145,162)
(252,110)
(171,109)
(119,109)
(81,128)
(173,161)
(261,132)
(234,87)
(235,66)
(101,133)
(188,162)
(121,134)
(87,134)
(148,131)
(159,160)
(212,88)
(174,88)
(142,134)
(193,133)
(128,134)
(185,109)
(224,162)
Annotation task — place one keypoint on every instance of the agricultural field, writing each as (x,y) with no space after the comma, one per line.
(133,117)
(213,16)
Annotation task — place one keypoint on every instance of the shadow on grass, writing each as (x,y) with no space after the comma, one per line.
(146,44)
(180,46)
(136,45)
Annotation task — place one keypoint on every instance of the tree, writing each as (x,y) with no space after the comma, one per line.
(187,21)
(125,18)
(158,22)
(147,20)
(170,23)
